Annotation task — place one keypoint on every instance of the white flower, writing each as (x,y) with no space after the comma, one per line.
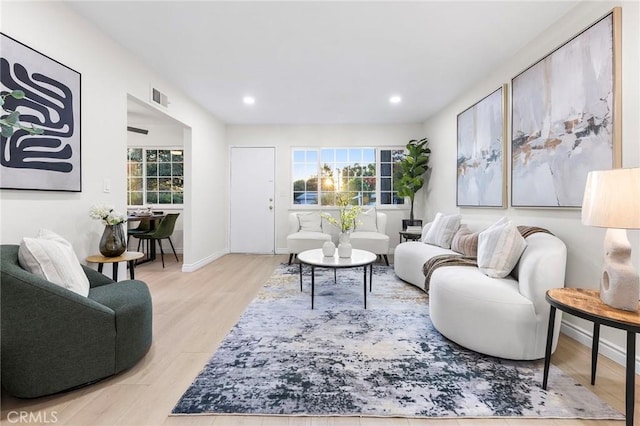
(106,214)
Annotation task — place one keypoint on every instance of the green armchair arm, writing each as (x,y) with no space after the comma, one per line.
(96,279)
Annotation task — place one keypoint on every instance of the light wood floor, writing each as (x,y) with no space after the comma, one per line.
(192,314)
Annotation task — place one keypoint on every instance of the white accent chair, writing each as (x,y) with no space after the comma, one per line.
(306,232)
(370,233)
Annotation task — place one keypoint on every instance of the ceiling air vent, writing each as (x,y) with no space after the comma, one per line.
(159,97)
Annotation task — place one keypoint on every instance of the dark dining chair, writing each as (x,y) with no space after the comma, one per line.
(162,232)
(143,227)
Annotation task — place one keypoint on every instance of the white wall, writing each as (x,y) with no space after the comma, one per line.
(284,137)
(109,74)
(584,243)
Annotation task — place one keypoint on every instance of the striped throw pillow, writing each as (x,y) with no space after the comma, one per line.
(499,248)
(465,242)
(442,230)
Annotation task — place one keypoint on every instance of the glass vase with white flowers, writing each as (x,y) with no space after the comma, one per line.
(112,242)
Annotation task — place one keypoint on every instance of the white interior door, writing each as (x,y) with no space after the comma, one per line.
(252,223)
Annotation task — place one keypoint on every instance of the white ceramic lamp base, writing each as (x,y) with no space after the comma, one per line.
(620,283)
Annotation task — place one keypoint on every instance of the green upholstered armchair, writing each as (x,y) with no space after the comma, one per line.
(54,339)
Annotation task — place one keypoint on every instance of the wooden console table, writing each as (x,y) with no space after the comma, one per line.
(586,304)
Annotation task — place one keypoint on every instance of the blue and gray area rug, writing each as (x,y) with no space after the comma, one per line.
(282,358)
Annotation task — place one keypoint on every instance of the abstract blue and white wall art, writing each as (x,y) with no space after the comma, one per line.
(563,120)
(481,142)
(50,161)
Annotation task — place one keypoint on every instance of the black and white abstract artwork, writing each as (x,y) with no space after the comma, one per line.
(563,120)
(481,140)
(51,160)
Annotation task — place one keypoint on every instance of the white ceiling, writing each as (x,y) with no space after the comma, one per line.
(323,62)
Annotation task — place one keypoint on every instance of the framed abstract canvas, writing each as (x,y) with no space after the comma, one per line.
(481,138)
(566,118)
(51,160)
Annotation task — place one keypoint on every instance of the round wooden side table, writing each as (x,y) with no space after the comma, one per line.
(586,304)
(128,256)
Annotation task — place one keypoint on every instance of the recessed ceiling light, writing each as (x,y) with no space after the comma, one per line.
(249,100)
(395,99)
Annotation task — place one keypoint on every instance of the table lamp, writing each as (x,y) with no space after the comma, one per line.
(612,200)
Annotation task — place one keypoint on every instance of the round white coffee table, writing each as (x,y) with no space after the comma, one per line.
(316,259)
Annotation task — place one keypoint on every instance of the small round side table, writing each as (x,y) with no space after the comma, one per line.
(586,304)
(128,256)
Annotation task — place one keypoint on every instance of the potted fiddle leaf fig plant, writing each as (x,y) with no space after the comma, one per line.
(409,177)
(10,119)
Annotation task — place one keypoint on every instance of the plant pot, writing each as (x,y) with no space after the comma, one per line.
(112,243)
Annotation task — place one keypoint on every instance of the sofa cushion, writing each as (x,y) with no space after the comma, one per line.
(51,257)
(499,248)
(310,222)
(442,230)
(366,221)
(465,241)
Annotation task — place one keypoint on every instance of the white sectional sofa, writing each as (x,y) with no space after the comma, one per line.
(503,317)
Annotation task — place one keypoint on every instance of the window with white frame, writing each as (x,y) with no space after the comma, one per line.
(155,176)
(365,174)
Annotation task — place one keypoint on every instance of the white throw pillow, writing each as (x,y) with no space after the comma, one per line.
(425,230)
(310,222)
(366,221)
(499,248)
(51,257)
(442,230)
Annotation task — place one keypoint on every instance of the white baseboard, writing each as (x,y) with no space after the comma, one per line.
(606,348)
(191,267)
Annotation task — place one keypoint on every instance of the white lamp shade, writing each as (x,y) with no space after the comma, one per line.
(612,199)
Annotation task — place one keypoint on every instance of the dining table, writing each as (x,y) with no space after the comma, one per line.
(152,219)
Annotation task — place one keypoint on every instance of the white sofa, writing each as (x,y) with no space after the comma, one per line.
(502,317)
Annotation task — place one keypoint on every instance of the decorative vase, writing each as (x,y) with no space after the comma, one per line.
(112,243)
(328,249)
(344,246)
